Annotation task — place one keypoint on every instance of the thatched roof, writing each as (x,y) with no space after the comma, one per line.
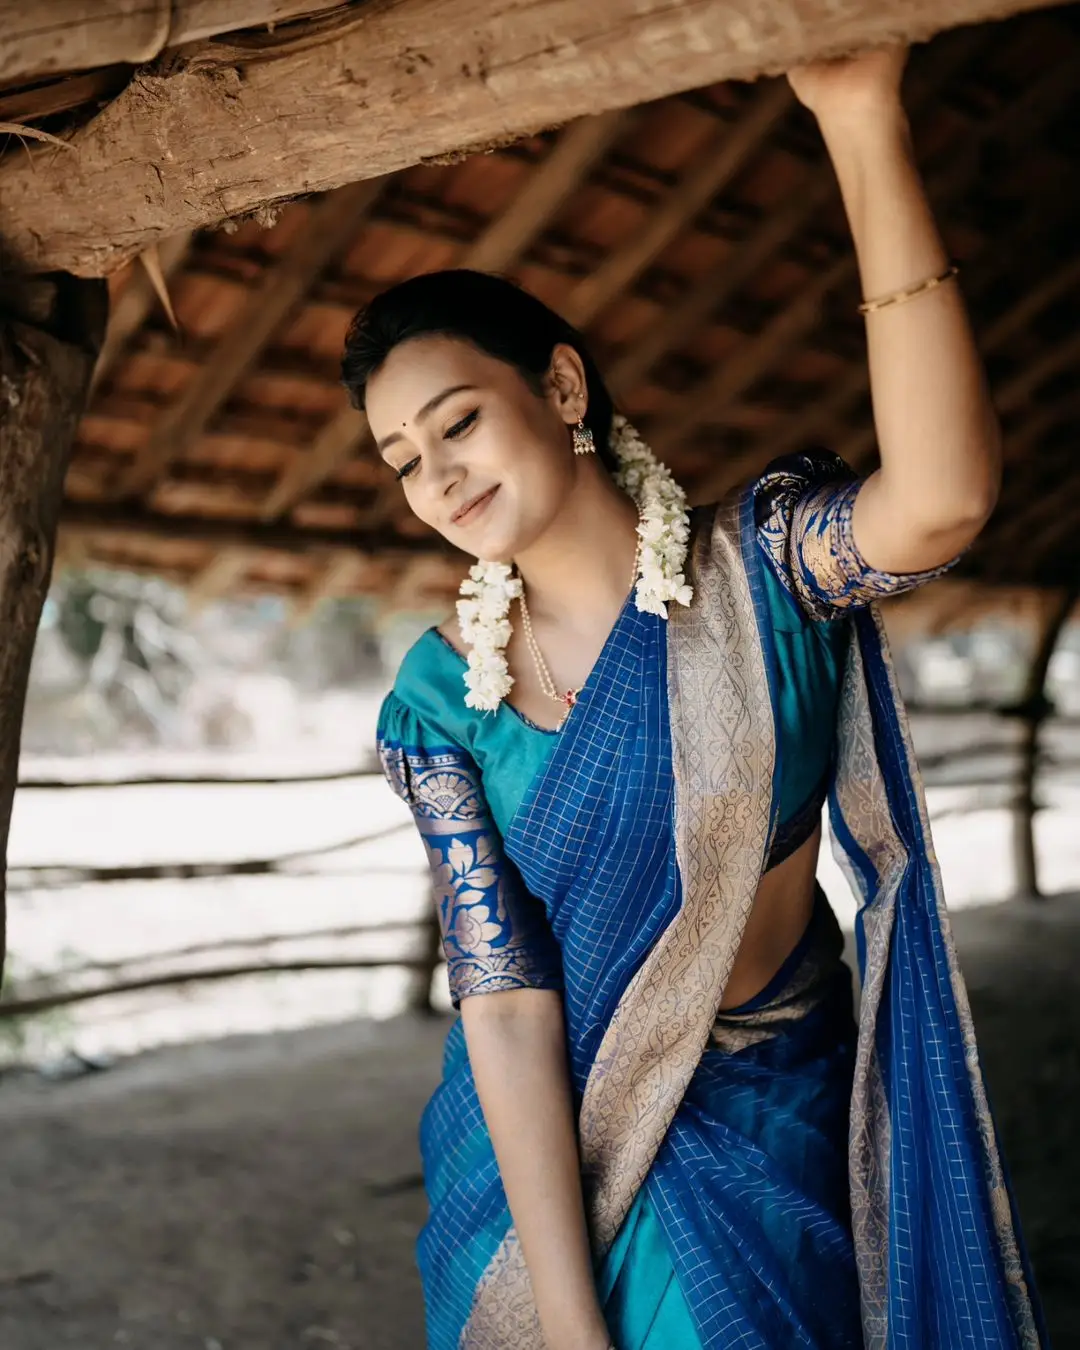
(700,242)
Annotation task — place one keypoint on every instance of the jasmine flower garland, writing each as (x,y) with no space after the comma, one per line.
(664,529)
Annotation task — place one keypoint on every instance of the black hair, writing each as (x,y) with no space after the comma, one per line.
(493,314)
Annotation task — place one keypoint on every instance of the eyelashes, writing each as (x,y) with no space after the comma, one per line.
(406,469)
(459,428)
(452,433)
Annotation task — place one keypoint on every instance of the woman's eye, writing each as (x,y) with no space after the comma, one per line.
(406,470)
(459,428)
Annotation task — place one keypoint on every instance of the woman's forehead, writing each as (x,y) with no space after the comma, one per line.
(417,370)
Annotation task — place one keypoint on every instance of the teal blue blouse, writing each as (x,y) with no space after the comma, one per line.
(509,749)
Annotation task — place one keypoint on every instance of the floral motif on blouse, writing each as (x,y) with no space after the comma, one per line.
(495,933)
(803,509)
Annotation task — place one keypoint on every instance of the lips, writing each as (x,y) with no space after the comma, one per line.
(473,506)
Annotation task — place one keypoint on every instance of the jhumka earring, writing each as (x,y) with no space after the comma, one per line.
(583,440)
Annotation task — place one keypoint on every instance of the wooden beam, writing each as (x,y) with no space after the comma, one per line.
(709,400)
(136,302)
(332,227)
(72,35)
(339,441)
(732,149)
(51,330)
(224,129)
(135,522)
(218,576)
(703,298)
(547,190)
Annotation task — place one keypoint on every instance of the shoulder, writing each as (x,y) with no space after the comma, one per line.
(788,480)
(426,704)
(422,683)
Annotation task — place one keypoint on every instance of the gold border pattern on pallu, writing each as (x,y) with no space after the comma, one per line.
(723,751)
(862,799)
(864,803)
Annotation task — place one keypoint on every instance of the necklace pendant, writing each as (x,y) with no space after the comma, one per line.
(571,697)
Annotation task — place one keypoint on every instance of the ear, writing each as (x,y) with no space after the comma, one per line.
(565,384)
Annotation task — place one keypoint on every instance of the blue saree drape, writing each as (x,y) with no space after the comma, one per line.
(795,1182)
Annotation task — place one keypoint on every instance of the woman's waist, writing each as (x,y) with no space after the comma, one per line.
(808,976)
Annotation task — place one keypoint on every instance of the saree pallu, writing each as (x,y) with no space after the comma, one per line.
(809,1192)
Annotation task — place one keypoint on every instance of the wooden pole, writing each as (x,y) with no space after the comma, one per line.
(1034,708)
(51,331)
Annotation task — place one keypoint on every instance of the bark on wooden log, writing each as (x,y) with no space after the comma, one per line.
(218,130)
(64,36)
(51,330)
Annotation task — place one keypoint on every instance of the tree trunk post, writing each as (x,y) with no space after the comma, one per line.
(51,330)
(1034,708)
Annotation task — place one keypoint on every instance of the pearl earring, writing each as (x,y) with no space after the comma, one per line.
(583,439)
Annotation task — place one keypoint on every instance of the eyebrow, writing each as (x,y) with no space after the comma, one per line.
(426,411)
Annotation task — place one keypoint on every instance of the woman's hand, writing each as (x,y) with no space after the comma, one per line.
(852,89)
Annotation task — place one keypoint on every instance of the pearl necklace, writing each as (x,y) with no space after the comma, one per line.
(547,683)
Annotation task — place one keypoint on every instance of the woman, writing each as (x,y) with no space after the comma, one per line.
(641,1138)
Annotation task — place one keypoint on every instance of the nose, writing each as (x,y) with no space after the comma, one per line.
(447,475)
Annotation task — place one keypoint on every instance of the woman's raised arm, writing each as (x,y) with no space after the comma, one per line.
(936,429)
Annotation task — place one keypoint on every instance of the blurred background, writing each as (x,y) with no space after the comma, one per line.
(223,1011)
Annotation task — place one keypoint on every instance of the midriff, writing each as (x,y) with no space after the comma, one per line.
(778,919)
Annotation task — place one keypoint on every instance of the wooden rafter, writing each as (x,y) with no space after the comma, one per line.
(219,575)
(136,302)
(339,441)
(381,87)
(730,153)
(135,522)
(706,295)
(709,400)
(341,575)
(549,187)
(1042,523)
(333,225)
(948,182)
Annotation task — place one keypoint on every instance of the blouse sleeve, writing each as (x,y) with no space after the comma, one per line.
(803,508)
(495,933)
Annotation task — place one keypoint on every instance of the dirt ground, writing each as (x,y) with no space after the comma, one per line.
(262,1193)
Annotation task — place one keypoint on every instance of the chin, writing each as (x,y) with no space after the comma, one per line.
(494,544)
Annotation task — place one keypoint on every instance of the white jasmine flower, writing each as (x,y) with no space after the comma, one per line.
(663,527)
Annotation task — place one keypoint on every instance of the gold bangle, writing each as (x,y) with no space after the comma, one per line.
(909,293)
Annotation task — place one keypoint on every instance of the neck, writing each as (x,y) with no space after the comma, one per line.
(580,566)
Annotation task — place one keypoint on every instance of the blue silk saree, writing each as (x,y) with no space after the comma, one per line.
(765,1176)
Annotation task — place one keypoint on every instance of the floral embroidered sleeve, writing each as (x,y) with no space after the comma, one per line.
(803,507)
(495,933)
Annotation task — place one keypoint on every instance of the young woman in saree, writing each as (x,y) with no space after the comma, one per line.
(659,1125)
